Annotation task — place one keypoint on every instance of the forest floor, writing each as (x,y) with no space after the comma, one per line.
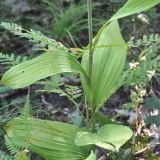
(145,144)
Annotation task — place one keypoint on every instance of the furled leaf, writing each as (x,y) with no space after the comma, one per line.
(51,140)
(134,6)
(110,136)
(108,61)
(92,156)
(48,64)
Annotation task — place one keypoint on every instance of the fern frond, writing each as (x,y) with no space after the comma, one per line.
(4,156)
(39,39)
(73,91)
(24,117)
(26,109)
(10,60)
(18,143)
(12,27)
(152,39)
(14,145)
(141,71)
(54,85)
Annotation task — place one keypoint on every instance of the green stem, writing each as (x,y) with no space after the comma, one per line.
(93,121)
(87,114)
(90,30)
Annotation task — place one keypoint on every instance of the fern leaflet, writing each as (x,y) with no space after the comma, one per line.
(10,60)
(152,39)
(4,156)
(14,145)
(41,41)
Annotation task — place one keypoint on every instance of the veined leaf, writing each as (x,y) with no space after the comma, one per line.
(108,61)
(48,64)
(110,136)
(50,139)
(134,6)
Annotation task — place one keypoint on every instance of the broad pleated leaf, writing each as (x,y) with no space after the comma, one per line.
(110,136)
(108,61)
(48,64)
(92,156)
(51,140)
(134,6)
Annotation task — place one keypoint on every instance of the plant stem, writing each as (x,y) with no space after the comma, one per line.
(90,30)
(93,121)
(87,114)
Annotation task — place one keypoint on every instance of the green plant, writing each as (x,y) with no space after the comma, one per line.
(153,39)
(99,70)
(11,60)
(67,21)
(18,145)
(141,70)
(5,156)
(41,41)
(57,85)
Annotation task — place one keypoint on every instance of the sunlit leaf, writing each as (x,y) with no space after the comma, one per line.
(108,61)
(48,64)
(50,139)
(134,6)
(110,136)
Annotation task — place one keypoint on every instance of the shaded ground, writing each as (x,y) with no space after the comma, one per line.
(35,14)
